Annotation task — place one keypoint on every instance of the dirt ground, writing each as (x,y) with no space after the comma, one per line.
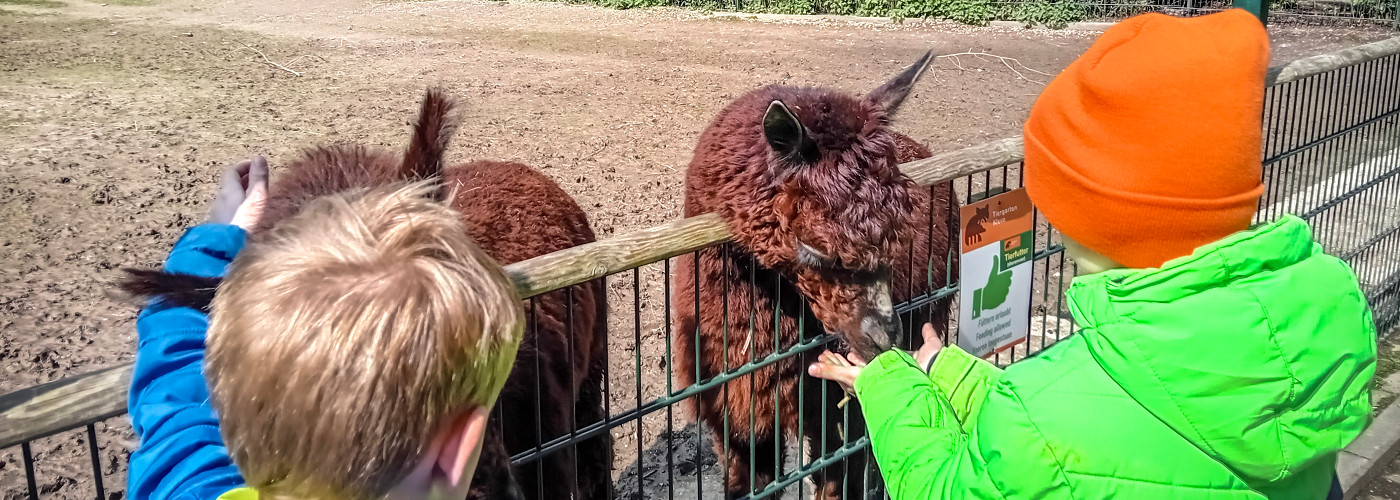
(115,118)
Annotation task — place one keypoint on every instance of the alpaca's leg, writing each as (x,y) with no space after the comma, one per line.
(553,475)
(594,454)
(861,469)
(751,464)
(827,429)
(846,478)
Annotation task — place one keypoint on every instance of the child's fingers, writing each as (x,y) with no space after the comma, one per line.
(248,212)
(832,358)
(856,360)
(931,335)
(257,172)
(844,375)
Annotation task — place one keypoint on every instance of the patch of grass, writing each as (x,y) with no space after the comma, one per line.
(33,3)
(1387,360)
(1387,364)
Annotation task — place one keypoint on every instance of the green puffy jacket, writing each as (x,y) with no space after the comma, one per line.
(1237,372)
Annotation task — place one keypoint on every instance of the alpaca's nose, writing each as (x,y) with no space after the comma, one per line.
(879,325)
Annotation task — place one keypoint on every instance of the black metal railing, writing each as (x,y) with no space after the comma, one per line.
(1332,156)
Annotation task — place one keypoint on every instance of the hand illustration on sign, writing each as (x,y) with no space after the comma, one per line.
(994,294)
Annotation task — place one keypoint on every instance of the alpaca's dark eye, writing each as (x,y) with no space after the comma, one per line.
(809,256)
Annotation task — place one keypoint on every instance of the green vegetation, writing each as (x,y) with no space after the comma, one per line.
(629,4)
(1375,9)
(977,12)
(1056,14)
(1051,13)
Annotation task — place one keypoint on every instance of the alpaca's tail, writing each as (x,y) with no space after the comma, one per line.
(180,290)
(431,133)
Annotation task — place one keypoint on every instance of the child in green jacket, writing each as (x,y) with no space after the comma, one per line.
(1215,360)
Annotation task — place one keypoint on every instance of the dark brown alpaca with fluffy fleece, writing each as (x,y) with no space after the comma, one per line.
(806,180)
(514,213)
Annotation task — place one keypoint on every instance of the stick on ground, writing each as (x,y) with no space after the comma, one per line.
(269,61)
(1003,59)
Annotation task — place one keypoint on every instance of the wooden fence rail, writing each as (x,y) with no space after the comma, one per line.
(76,401)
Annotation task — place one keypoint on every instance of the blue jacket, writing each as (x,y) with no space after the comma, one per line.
(181,454)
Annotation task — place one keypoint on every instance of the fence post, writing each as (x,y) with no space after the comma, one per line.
(1260,9)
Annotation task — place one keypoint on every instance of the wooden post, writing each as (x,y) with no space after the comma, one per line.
(1260,9)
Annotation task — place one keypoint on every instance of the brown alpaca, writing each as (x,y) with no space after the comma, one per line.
(807,181)
(514,213)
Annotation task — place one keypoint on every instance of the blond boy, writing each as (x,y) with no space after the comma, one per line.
(354,352)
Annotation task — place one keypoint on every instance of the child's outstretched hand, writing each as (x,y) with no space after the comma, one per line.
(833,367)
(242,194)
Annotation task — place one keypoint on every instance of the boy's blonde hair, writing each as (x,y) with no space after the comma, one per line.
(343,339)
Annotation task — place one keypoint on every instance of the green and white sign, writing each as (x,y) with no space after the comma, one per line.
(997,251)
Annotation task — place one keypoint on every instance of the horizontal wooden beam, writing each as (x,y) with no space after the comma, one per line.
(61,405)
(1332,61)
(590,261)
(594,260)
(964,162)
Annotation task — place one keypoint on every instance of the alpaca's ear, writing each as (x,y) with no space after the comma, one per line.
(893,92)
(431,133)
(787,136)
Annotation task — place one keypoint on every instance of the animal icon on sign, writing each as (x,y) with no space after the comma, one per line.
(972,234)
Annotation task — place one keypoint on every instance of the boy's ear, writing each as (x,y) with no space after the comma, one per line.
(462,441)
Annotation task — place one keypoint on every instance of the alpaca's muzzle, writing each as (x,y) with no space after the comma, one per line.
(880,329)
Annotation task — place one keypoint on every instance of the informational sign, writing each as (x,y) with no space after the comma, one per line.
(998,246)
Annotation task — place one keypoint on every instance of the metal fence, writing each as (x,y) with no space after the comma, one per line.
(1383,12)
(1332,149)
(1331,156)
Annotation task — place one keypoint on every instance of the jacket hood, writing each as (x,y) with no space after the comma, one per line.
(1257,349)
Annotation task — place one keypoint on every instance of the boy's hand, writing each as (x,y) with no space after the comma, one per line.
(932,345)
(242,194)
(833,367)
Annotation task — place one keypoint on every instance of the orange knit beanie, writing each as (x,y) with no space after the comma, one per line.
(1148,145)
